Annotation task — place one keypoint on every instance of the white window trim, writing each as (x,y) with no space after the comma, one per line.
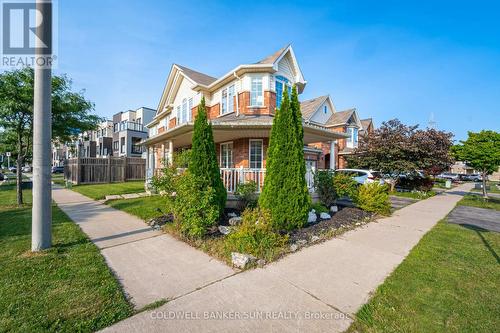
(262,85)
(261,153)
(220,152)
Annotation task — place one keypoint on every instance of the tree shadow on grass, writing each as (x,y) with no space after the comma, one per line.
(479,232)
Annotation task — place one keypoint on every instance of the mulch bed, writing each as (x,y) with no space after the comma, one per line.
(345,218)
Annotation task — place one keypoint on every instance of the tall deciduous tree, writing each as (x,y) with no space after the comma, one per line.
(71,114)
(203,159)
(285,191)
(396,149)
(481,151)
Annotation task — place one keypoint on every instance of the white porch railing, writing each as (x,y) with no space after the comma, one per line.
(231,177)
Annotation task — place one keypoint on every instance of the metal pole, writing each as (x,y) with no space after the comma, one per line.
(42,131)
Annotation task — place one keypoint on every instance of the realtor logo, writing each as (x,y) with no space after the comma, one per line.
(22,42)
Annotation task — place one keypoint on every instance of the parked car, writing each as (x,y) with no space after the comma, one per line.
(474,177)
(26,168)
(13,169)
(363,176)
(448,175)
(57,169)
(2,177)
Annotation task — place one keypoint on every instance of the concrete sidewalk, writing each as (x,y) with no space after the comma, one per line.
(318,289)
(150,265)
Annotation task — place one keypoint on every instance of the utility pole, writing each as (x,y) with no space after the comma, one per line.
(41,237)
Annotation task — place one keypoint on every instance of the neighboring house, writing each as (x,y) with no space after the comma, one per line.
(321,111)
(462,168)
(241,105)
(129,131)
(104,139)
(60,152)
(97,143)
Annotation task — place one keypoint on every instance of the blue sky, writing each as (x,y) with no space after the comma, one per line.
(404,59)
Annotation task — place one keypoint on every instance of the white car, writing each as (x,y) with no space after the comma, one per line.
(363,176)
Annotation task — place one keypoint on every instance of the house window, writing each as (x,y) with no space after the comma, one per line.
(122,145)
(352,140)
(115,145)
(138,120)
(227,100)
(256,93)
(178,115)
(184,111)
(325,109)
(226,155)
(190,108)
(230,99)
(223,102)
(256,154)
(280,83)
(349,132)
(115,127)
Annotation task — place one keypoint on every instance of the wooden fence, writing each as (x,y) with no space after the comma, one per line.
(92,170)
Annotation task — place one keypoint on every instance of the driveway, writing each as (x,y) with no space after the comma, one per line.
(487,219)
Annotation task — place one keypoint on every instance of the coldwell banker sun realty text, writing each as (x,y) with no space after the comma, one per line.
(23,43)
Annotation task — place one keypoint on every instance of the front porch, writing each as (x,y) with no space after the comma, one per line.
(241,147)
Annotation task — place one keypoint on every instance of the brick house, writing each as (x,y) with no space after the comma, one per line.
(241,105)
(321,111)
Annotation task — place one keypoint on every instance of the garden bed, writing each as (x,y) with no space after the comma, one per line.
(343,220)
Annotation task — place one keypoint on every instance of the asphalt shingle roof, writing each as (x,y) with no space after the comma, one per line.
(340,118)
(310,106)
(272,58)
(197,77)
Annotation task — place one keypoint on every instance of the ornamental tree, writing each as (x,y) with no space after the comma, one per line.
(71,114)
(481,151)
(203,158)
(397,149)
(285,192)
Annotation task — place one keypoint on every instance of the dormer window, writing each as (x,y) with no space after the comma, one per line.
(281,82)
(256,92)
(325,109)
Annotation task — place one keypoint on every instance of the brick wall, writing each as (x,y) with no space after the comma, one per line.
(268,108)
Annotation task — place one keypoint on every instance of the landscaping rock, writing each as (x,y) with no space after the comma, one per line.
(334,209)
(160,221)
(261,262)
(224,230)
(311,218)
(231,214)
(236,220)
(325,216)
(241,260)
(314,239)
(301,242)
(294,247)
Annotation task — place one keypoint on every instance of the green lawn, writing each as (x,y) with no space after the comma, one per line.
(448,283)
(414,195)
(478,201)
(67,288)
(145,208)
(100,191)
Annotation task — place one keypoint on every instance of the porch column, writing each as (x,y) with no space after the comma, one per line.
(170,153)
(332,155)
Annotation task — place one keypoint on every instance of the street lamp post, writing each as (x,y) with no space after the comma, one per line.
(41,237)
